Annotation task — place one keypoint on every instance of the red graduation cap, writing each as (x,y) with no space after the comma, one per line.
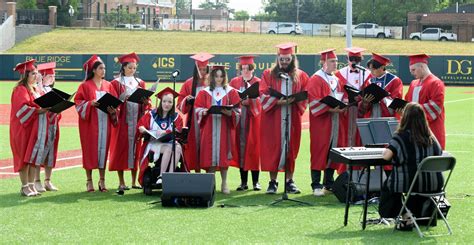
(354,51)
(25,66)
(286,48)
(132,57)
(418,58)
(246,59)
(166,91)
(47,68)
(202,59)
(328,54)
(90,62)
(215,67)
(381,59)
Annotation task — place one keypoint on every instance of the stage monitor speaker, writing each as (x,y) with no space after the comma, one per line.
(188,190)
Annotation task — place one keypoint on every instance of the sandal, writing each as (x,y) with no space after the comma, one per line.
(102,187)
(89,186)
(404,226)
(49,186)
(29,193)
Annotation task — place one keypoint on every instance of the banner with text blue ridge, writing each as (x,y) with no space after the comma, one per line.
(453,70)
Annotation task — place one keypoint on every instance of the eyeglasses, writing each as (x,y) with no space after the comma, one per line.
(284,59)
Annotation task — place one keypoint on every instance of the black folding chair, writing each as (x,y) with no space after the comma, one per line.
(430,164)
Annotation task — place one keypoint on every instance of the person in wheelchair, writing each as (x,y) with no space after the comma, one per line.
(156,128)
(412,142)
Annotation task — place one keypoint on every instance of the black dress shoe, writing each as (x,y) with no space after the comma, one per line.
(242,187)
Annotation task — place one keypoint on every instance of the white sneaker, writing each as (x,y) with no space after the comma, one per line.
(318,192)
(39,187)
(159,181)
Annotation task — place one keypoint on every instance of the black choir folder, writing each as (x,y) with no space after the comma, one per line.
(139,94)
(375,90)
(333,102)
(251,92)
(56,100)
(352,93)
(303,95)
(108,100)
(217,109)
(398,104)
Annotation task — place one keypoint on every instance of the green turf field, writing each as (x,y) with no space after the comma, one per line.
(72,215)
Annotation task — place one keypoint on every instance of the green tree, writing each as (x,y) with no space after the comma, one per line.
(27,4)
(183,6)
(310,11)
(241,15)
(217,4)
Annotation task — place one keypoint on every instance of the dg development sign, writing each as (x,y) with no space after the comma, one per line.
(454,70)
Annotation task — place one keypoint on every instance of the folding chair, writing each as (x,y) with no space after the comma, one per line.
(430,164)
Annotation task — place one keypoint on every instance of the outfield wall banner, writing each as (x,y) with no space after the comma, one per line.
(453,70)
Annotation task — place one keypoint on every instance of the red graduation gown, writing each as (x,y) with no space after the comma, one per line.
(273,131)
(327,129)
(395,87)
(191,149)
(355,80)
(430,94)
(217,146)
(94,124)
(123,141)
(247,137)
(147,121)
(25,124)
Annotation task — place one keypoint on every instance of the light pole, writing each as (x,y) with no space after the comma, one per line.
(298,12)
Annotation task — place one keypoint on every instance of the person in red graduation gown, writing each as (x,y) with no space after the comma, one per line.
(272,132)
(186,100)
(384,79)
(47,76)
(24,126)
(428,90)
(354,77)
(248,129)
(328,126)
(94,124)
(123,140)
(217,146)
(159,122)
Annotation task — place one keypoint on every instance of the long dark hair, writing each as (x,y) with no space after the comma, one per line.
(414,120)
(159,110)
(24,80)
(291,69)
(212,81)
(90,73)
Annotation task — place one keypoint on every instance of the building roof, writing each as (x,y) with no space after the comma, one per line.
(157,3)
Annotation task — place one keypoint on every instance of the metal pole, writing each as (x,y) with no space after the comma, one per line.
(298,12)
(348,23)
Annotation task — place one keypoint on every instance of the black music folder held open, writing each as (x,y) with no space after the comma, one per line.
(398,104)
(303,95)
(251,92)
(139,94)
(333,102)
(375,90)
(108,100)
(56,100)
(217,109)
(352,93)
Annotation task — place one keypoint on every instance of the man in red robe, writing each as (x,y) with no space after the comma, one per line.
(187,95)
(354,77)
(286,79)
(248,128)
(428,91)
(327,125)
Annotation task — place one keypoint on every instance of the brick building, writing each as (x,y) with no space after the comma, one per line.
(460,22)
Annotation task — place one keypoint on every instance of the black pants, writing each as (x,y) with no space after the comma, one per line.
(391,203)
(328,180)
(244,176)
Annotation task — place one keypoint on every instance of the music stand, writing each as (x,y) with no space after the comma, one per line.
(284,196)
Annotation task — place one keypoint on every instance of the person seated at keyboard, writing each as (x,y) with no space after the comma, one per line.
(412,142)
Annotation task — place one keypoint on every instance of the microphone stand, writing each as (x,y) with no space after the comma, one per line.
(173,130)
(284,196)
